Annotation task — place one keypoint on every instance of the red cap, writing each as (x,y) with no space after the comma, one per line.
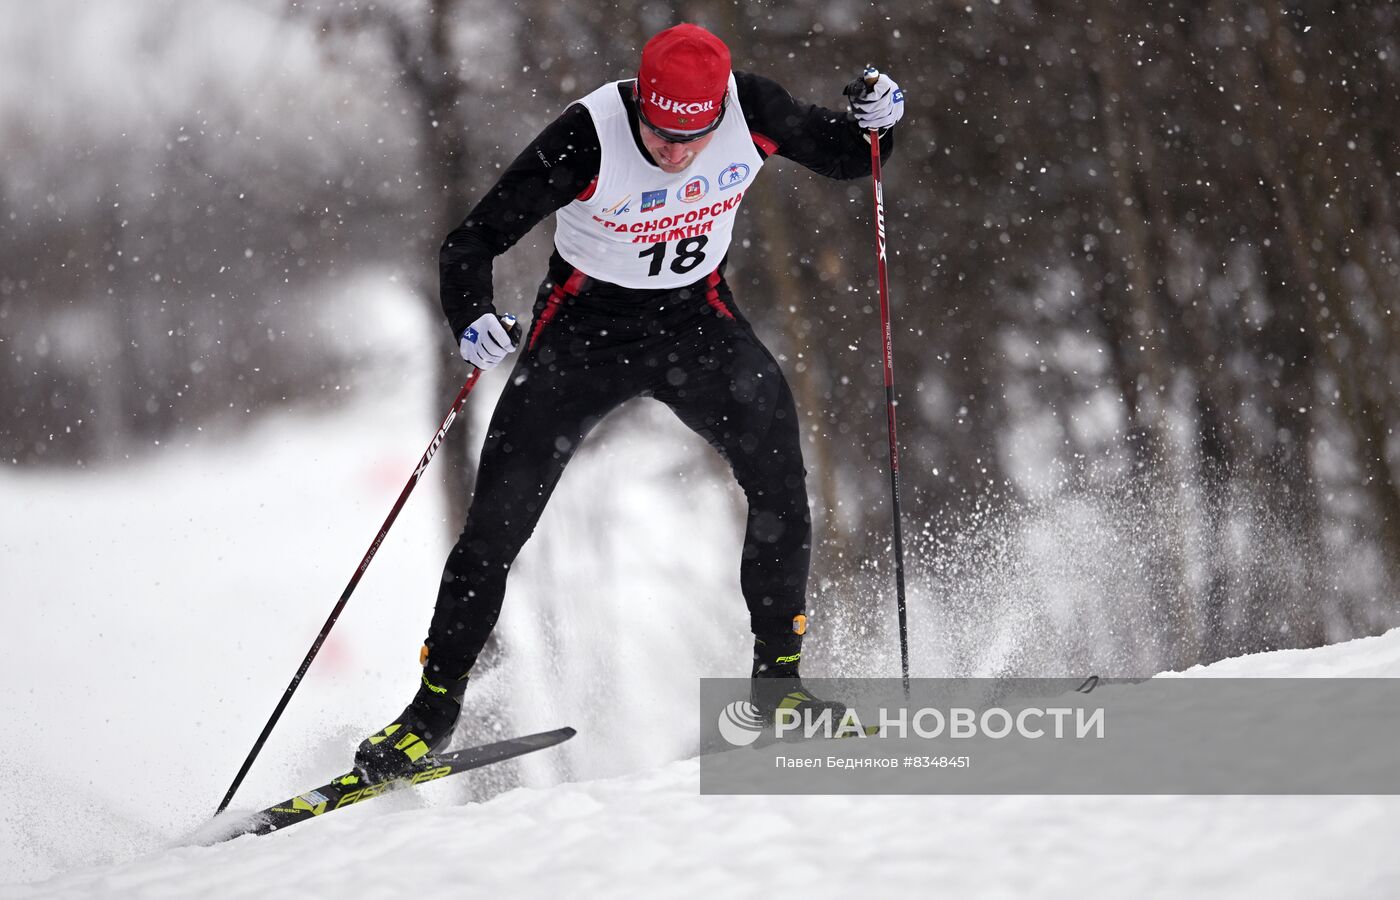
(683,78)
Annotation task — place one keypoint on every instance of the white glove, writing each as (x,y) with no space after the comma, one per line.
(880,106)
(487,341)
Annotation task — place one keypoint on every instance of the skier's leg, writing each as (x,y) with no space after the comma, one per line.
(544,413)
(538,424)
(743,407)
(730,390)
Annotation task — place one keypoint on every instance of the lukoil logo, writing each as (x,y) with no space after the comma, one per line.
(740,724)
(681,106)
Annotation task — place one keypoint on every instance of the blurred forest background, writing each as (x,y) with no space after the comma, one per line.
(1145,261)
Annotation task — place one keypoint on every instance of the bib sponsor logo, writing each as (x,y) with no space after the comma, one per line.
(732,174)
(653,200)
(620,207)
(699,219)
(695,189)
(679,106)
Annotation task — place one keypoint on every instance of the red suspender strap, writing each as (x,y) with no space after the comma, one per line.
(570,288)
(764,143)
(712,295)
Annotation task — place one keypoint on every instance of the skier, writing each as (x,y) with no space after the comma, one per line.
(645,177)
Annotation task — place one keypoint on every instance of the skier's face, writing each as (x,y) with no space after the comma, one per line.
(673,157)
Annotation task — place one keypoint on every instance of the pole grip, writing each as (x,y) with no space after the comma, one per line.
(861,86)
(512,328)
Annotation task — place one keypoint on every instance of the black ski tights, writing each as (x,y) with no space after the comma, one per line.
(586,354)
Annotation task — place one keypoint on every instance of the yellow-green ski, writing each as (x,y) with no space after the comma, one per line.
(352,787)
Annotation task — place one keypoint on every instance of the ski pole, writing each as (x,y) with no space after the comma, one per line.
(866,82)
(359,573)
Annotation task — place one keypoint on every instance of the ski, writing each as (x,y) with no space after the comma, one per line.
(352,788)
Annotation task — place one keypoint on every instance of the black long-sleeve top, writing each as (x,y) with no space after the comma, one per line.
(563,160)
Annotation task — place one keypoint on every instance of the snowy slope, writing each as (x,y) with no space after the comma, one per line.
(650,833)
(152,614)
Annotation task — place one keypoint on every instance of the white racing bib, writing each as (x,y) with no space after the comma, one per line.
(644,228)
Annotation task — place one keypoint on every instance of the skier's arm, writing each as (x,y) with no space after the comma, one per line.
(555,168)
(828,142)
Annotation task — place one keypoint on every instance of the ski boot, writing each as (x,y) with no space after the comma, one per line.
(775,683)
(424,727)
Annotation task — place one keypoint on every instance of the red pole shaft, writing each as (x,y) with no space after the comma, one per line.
(887,346)
(354,581)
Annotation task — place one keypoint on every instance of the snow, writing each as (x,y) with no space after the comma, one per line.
(651,833)
(152,614)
